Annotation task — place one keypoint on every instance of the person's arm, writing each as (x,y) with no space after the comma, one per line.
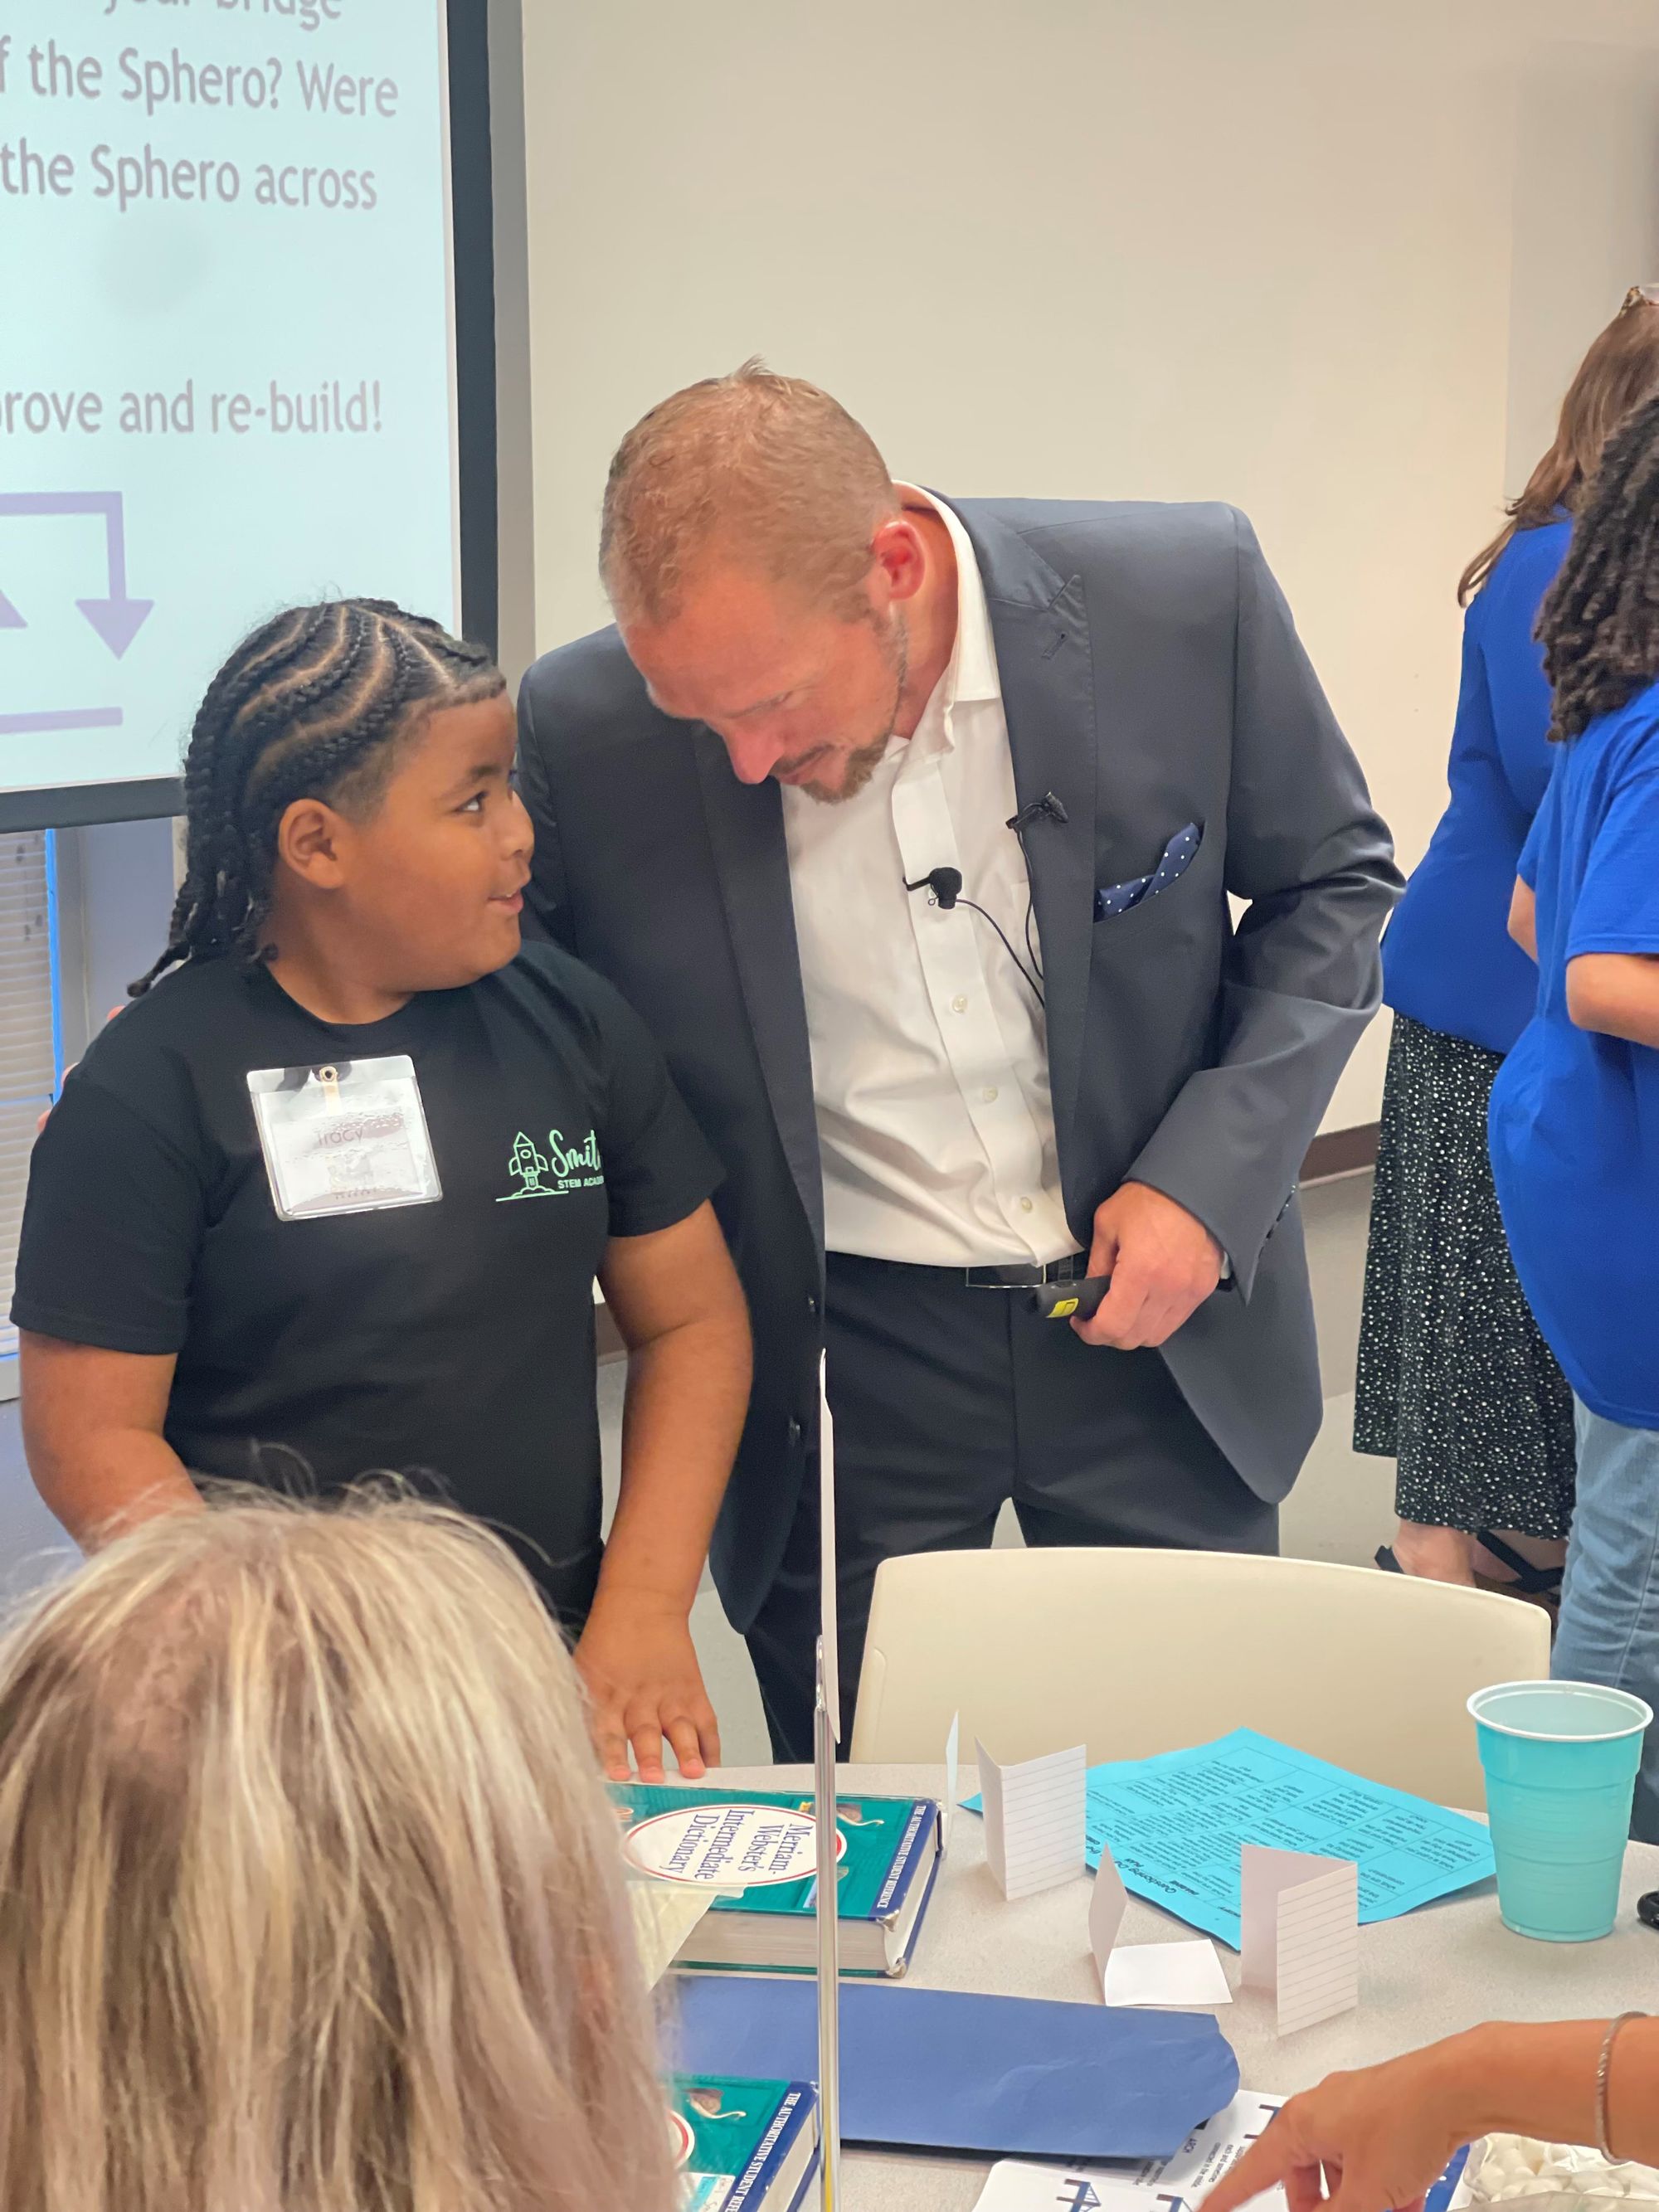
(1302,979)
(1612,949)
(1523,917)
(675,1298)
(1615,994)
(92,1434)
(106,1265)
(1381,2139)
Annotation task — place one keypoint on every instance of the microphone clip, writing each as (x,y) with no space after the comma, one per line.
(1048,806)
(943,884)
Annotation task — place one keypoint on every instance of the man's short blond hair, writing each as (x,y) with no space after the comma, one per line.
(767,472)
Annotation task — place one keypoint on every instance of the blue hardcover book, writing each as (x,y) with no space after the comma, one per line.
(744,2145)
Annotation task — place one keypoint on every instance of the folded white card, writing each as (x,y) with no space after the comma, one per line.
(1188,1977)
(948,1810)
(1034,1815)
(1301,1934)
(1108,1904)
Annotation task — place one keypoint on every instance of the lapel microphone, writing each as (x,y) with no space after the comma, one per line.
(1048,804)
(944,887)
(945,883)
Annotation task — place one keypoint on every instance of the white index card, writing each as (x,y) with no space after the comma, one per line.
(1108,1904)
(1179,1977)
(1034,1820)
(1301,1934)
(952,1759)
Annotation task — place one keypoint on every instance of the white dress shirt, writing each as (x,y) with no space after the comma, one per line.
(930,1057)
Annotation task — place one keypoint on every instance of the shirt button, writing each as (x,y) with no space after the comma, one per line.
(958,1005)
(988,1093)
(1026,1205)
(811,1304)
(795,1432)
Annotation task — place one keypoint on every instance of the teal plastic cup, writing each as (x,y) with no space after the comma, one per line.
(1561,1760)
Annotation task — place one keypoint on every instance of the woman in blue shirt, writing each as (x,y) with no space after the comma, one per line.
(1575,1111)
(1455,1381)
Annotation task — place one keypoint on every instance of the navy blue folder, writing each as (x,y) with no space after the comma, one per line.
(938,2070)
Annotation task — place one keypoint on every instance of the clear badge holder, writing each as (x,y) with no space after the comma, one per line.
(344,1137)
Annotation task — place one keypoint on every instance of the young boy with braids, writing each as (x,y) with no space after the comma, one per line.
(331,1195)
(1575,1110)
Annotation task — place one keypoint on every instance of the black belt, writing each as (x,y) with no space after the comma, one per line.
(1020,1277)
(1056,1303)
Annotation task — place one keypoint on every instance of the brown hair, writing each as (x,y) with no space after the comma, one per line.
(768,465)
(1620,370)
(1600,624)
(311,1899)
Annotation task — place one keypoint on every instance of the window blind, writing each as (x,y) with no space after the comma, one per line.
(28,1033)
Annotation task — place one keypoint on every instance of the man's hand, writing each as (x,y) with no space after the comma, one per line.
(636,1658)
(1163,1261)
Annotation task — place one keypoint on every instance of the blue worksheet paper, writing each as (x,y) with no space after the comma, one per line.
(1176,1825)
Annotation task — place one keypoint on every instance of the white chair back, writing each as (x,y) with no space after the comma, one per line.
(1132,1652)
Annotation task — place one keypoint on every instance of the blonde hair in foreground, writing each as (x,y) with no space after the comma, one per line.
(310,1896)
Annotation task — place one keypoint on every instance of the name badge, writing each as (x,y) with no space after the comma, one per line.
(350,1137)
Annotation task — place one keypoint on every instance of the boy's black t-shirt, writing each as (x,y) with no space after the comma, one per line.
(453,1339)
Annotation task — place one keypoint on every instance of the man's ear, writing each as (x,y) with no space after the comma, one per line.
(899,558)
(314,843)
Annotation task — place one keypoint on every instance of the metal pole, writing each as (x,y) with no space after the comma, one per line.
(827,1905)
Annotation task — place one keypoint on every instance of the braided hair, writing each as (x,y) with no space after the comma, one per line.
(312,705)
(1600,624)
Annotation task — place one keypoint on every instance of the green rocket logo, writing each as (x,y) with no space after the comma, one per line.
(529,1167)
(574,1167)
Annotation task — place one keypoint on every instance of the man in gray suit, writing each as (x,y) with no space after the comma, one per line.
(910,826)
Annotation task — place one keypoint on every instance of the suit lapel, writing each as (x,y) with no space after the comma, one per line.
(1040,628)
(751,862)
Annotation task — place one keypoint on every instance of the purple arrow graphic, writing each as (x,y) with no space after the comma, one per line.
(116,619)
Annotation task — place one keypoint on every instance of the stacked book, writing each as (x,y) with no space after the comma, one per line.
(743,2146)
(740,1844)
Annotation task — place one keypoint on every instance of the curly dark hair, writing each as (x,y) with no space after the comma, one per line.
(1600,624)
(312,705)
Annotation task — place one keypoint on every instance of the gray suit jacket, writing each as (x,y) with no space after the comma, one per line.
(1152,677)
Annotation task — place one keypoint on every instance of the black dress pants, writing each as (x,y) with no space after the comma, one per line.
(949,1401)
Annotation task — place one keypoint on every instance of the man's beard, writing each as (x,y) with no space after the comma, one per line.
(861,763)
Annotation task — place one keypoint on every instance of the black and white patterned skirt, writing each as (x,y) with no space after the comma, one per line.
(1454,1379)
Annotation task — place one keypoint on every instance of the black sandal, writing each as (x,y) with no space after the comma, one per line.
(1542,1583)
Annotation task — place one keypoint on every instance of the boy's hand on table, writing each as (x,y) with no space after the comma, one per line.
(636,1658)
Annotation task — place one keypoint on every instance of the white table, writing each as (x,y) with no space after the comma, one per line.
(1446,1967)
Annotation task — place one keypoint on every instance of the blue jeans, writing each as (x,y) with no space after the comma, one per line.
(1610,1597)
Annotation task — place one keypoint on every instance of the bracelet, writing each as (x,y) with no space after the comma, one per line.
(1603,2083)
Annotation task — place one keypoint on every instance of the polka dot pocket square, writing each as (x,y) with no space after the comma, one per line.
(1119,898)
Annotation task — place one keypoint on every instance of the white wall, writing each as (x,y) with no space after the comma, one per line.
(1309,256)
